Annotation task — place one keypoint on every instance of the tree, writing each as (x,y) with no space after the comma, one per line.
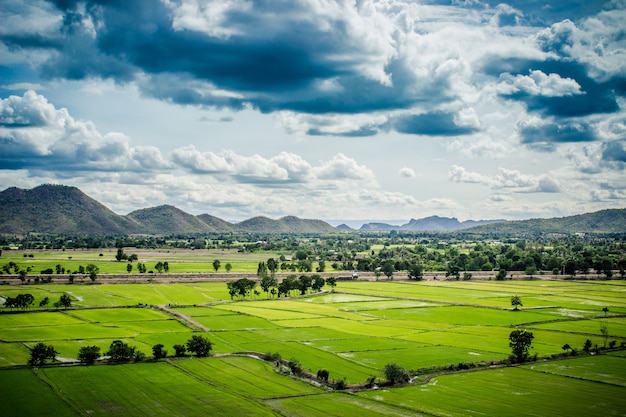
(88,354)
(44,302)
(516,302)
(416,272)
(65,301)
(228,266)
(159,267)
(92,270)
(501,275)
(295,366)
(318,282)
(158,352)
(179,350)
(120,351)
(587,346)
(166,267)
(305,283)
(129,267)
(261,270)
(396,374)
(323,374)
(242,287)
(605,334)
(121,256)
(272,265)
(332,282)
(199,345)
(520,342)
(216,265)
(566,347)
(605,310)
(388,268)
(268,282)
(40,352)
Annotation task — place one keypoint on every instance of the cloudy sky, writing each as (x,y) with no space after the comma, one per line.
(338,110)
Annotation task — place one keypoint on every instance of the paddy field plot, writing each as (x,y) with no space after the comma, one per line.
(353,332)
(507,392)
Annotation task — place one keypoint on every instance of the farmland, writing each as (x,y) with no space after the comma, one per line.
(427,327)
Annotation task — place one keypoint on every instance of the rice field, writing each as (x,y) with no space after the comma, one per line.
(353,332)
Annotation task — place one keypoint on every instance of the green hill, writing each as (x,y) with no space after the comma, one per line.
(604,221)
(58,209)
(168,219)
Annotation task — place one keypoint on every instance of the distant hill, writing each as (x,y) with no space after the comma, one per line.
(167,220)
(344,228)
(437,224)
(429,224)
(288,224)
(58,209)
(378,227)
(604,221)
(217,224)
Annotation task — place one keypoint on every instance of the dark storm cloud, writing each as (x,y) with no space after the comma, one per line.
(269,56)
(545,136)
(596,97)
(615,151)
(438,124)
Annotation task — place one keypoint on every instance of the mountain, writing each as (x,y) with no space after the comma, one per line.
(344,228)
(428,224)
(439,224)
(288,224)
(217,224)
(168,219)
(378,227)
(604,221)
(58,209)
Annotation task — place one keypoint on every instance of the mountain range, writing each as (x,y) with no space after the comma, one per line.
(60,209)
(432,223)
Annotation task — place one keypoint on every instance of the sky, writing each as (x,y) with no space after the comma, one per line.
(337,110)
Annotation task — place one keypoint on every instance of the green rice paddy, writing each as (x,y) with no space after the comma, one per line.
(353,332)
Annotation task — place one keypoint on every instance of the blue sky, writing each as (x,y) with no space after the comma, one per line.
(338,110)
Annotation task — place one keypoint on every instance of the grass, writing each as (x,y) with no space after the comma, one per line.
(507,392)
(143,389)
(353,333)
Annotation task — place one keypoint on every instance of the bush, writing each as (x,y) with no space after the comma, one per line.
(322,374)
(395,374)
(88,354)
(199,345)
(179,350)
(295,366)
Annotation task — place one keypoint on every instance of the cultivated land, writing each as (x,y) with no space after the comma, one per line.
(429,327)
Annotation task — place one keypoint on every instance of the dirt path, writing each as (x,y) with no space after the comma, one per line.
(184,319)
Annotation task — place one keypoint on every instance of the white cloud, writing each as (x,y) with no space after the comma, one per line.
(406,172)
(538,84)
(507,180)
(37,135)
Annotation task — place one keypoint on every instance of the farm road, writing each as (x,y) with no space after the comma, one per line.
(184,319)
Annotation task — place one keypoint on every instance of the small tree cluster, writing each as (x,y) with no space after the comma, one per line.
(396,374)
(22,301)
(122,352)
(88,354)
(242,287)
(40,353)
(64,301)
(162,267)
(199,345)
